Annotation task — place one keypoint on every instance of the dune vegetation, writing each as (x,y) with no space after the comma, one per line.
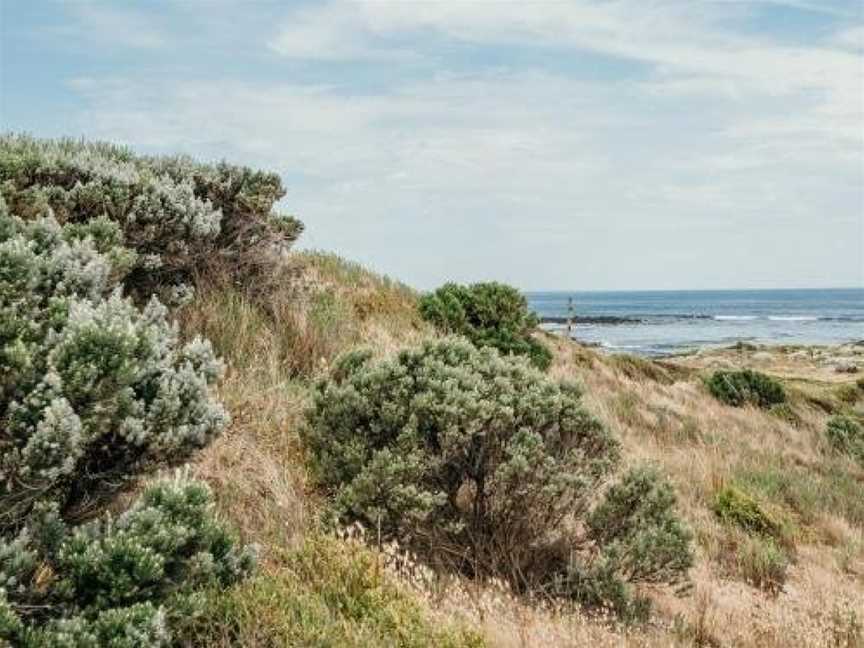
(353,474)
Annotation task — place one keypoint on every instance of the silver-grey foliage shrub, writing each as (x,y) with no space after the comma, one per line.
(115,581)
(94,391)
(480,462)
(91,388)
(177,214)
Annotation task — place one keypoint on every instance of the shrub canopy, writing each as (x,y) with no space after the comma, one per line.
(479,461)
(746,387)
(736,507)
(177,214)
(93,391)
(114,582)
(488,314)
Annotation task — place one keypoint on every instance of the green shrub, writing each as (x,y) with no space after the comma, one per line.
(477,461)
(488,314)
(734,506)
(114,581)
(94,391)
(739,388)
(637,527)
(640,539)
(178,215)
(761,557)
(846,435)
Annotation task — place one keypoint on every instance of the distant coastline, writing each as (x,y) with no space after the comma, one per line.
(600,319)
(663,323)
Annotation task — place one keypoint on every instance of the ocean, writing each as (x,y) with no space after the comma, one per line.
(668,322)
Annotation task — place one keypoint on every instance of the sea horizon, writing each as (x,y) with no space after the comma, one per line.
(668,322)
(554,291)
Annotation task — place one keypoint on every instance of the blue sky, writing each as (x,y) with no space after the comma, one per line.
(617,144)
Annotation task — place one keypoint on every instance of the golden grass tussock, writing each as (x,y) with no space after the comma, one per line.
(326,592)
(801,586)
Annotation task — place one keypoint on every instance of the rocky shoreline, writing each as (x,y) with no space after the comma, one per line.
(599,319)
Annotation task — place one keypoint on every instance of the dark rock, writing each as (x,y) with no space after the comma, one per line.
(598,319)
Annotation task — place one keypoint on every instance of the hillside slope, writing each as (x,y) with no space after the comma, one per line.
(801,586)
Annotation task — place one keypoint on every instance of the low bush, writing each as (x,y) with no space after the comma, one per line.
(761,555)
(93,392)
(92,389)
(114,582)
(180,216)
(488,314)
(746,387)
(638,538)
(478,462)
(846,435)
(734,506)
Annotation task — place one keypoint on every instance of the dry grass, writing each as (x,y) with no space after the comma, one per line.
(703,445)
(327,592)
(310,589)
(275,346)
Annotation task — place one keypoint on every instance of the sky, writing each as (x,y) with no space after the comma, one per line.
(579,145)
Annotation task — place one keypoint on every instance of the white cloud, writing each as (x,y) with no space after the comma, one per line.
(495,175)
(689,53)
(725,150)
(817,6)
(852,38)
(326,33)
